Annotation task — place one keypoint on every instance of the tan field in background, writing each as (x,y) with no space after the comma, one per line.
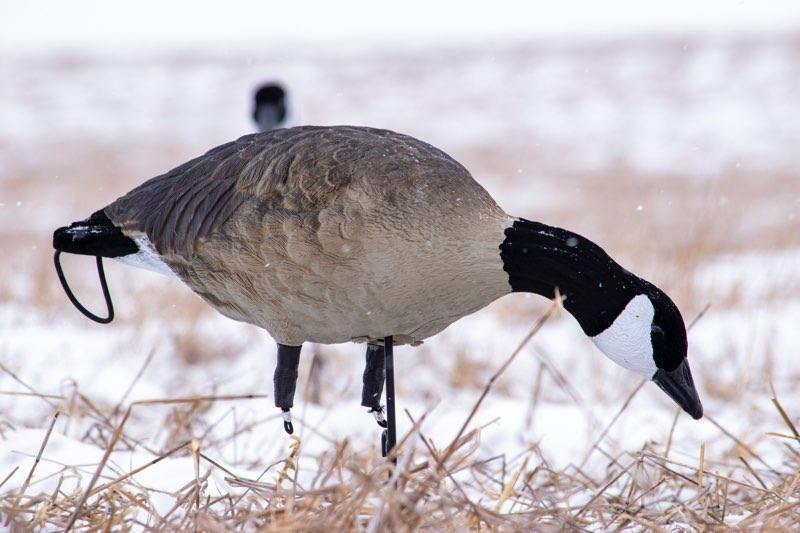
(87,129)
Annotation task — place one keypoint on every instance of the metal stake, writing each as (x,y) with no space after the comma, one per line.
(389,437)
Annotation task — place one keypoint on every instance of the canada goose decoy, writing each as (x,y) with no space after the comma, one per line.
(270,108)
(336,234)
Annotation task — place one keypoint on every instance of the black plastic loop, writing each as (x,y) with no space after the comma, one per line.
(103,284)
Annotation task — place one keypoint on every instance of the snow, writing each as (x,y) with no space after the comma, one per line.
(75,462)
(699,111)
(582,100)
(726,347)
(751,275)
(149,23)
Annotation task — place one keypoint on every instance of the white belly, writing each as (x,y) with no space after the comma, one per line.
(146,258)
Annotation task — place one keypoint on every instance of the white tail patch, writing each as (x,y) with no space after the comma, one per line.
(147,257)
(627,341)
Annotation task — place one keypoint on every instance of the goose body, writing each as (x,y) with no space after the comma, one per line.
(326,234)
(335,234)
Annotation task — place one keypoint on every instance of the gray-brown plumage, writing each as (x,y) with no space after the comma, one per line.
(326,234)
(331,234)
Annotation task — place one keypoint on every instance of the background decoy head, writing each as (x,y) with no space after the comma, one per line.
(270,109)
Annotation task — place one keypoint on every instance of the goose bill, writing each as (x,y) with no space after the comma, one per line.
(679,386)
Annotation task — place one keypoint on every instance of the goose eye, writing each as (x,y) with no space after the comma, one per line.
(656,330)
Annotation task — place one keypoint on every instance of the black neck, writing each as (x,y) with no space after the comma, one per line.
(541,259)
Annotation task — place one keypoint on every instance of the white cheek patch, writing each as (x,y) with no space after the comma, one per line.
(147,257)
(627,341)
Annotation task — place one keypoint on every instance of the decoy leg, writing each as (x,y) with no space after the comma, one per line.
(285,382)
(390,433)
(374,376)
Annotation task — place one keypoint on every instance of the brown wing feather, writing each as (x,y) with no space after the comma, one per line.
(289,229)
(196,199)
(297,171)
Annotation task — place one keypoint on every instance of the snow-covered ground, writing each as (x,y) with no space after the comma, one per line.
(554,128)
(732,349)
(678,104)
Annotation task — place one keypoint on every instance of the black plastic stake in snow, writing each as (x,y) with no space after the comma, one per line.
(390,433)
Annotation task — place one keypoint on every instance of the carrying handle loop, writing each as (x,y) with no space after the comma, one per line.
(103,284)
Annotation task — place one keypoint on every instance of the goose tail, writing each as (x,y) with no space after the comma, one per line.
(96,235)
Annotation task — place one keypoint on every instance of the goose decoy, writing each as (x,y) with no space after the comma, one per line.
(336,234)
(270,108)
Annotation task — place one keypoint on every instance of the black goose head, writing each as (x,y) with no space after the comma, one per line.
(649,337)
(269,110)
(630,320)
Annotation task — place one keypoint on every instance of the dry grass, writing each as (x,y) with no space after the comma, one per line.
(437,486)
(430,488)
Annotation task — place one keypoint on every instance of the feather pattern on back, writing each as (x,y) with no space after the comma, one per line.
(294,229)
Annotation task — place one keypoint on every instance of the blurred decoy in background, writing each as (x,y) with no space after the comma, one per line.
(270,111)
(270,107)
(336,234)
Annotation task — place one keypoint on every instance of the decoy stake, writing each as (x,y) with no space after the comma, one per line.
(389,437)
